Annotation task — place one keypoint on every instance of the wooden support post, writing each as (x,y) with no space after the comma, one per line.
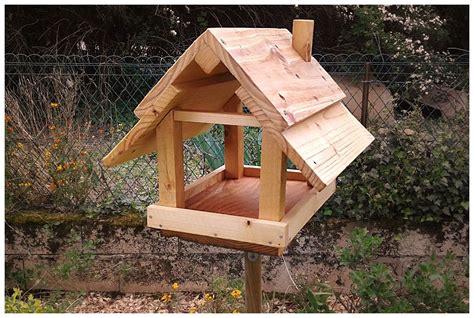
(233,143)
(169,146)
(253,282)
(272,180)
(302,40)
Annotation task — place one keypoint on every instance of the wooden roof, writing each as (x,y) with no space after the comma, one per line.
(297,101)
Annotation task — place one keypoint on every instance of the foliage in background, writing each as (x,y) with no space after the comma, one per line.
(44,142)
(429,287)
(400,177)
(169,29)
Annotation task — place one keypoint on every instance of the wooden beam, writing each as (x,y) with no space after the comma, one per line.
(234,142)
(302,40)
(170,162)
(230,227)
(291,174)
(272,180)
(204,182)
(236,245)
(302,212)
(234,119)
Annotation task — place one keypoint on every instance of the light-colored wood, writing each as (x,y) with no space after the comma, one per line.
(217,225)
(237,245)
(272,180)
(234,141)
(251,55)
(302,212)
(233,119)
(208,61)
(204,94)
(170,162)
(204,183)
(302,40)
(291,174)
(322,145)
(241,196)
(336,139)
(253,283)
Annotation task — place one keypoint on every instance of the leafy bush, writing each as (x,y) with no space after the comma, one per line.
(430,287)
(16,303)
(415,170)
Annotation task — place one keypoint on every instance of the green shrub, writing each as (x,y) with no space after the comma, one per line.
(430,287)
(16,303)
(416,170)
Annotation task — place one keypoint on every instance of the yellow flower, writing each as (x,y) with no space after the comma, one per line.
(235,311)
(59,168)
(193,310)
(208,297)
(175,286)
(236,293)
(47,155)
(53,105)
(55,146)
(19,145)
(166,298)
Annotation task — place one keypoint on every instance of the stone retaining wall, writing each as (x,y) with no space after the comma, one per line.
(137,259)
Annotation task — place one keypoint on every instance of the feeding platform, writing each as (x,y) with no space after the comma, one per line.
(300,111)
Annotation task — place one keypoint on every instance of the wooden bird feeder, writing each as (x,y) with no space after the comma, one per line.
(294,100)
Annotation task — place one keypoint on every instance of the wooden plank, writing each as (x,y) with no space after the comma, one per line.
(302,40)
(217,225)
(272,180)
(234,119)
(241,197)
(234,141)
(236,245)
(253,282)
(302,212)
(294,85)
(170,162)
(323,145)
(291,174)
(204,183)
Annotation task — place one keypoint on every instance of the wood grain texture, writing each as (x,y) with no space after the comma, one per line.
(234,141)
(253,283)
(204,182)
(336,139)
(236,245)
(302,40)
(287,88)
(272,180)
(291,174)
(302,211)
(230,119)
(170,162)
(217,225)
(241,197)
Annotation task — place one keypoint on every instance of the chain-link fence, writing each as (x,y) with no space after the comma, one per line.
(64,113)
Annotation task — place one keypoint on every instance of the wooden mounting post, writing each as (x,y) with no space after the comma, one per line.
(303,38)
(233,143)
(169,146)
(253,282)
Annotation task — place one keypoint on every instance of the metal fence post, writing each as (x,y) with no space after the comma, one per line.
(365,96)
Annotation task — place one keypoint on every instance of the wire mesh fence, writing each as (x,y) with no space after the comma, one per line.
(64,113)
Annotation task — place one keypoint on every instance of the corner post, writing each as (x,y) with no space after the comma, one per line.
(233,143)
(302,40)
(169,147)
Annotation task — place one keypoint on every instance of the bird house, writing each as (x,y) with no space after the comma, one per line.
(288,94)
